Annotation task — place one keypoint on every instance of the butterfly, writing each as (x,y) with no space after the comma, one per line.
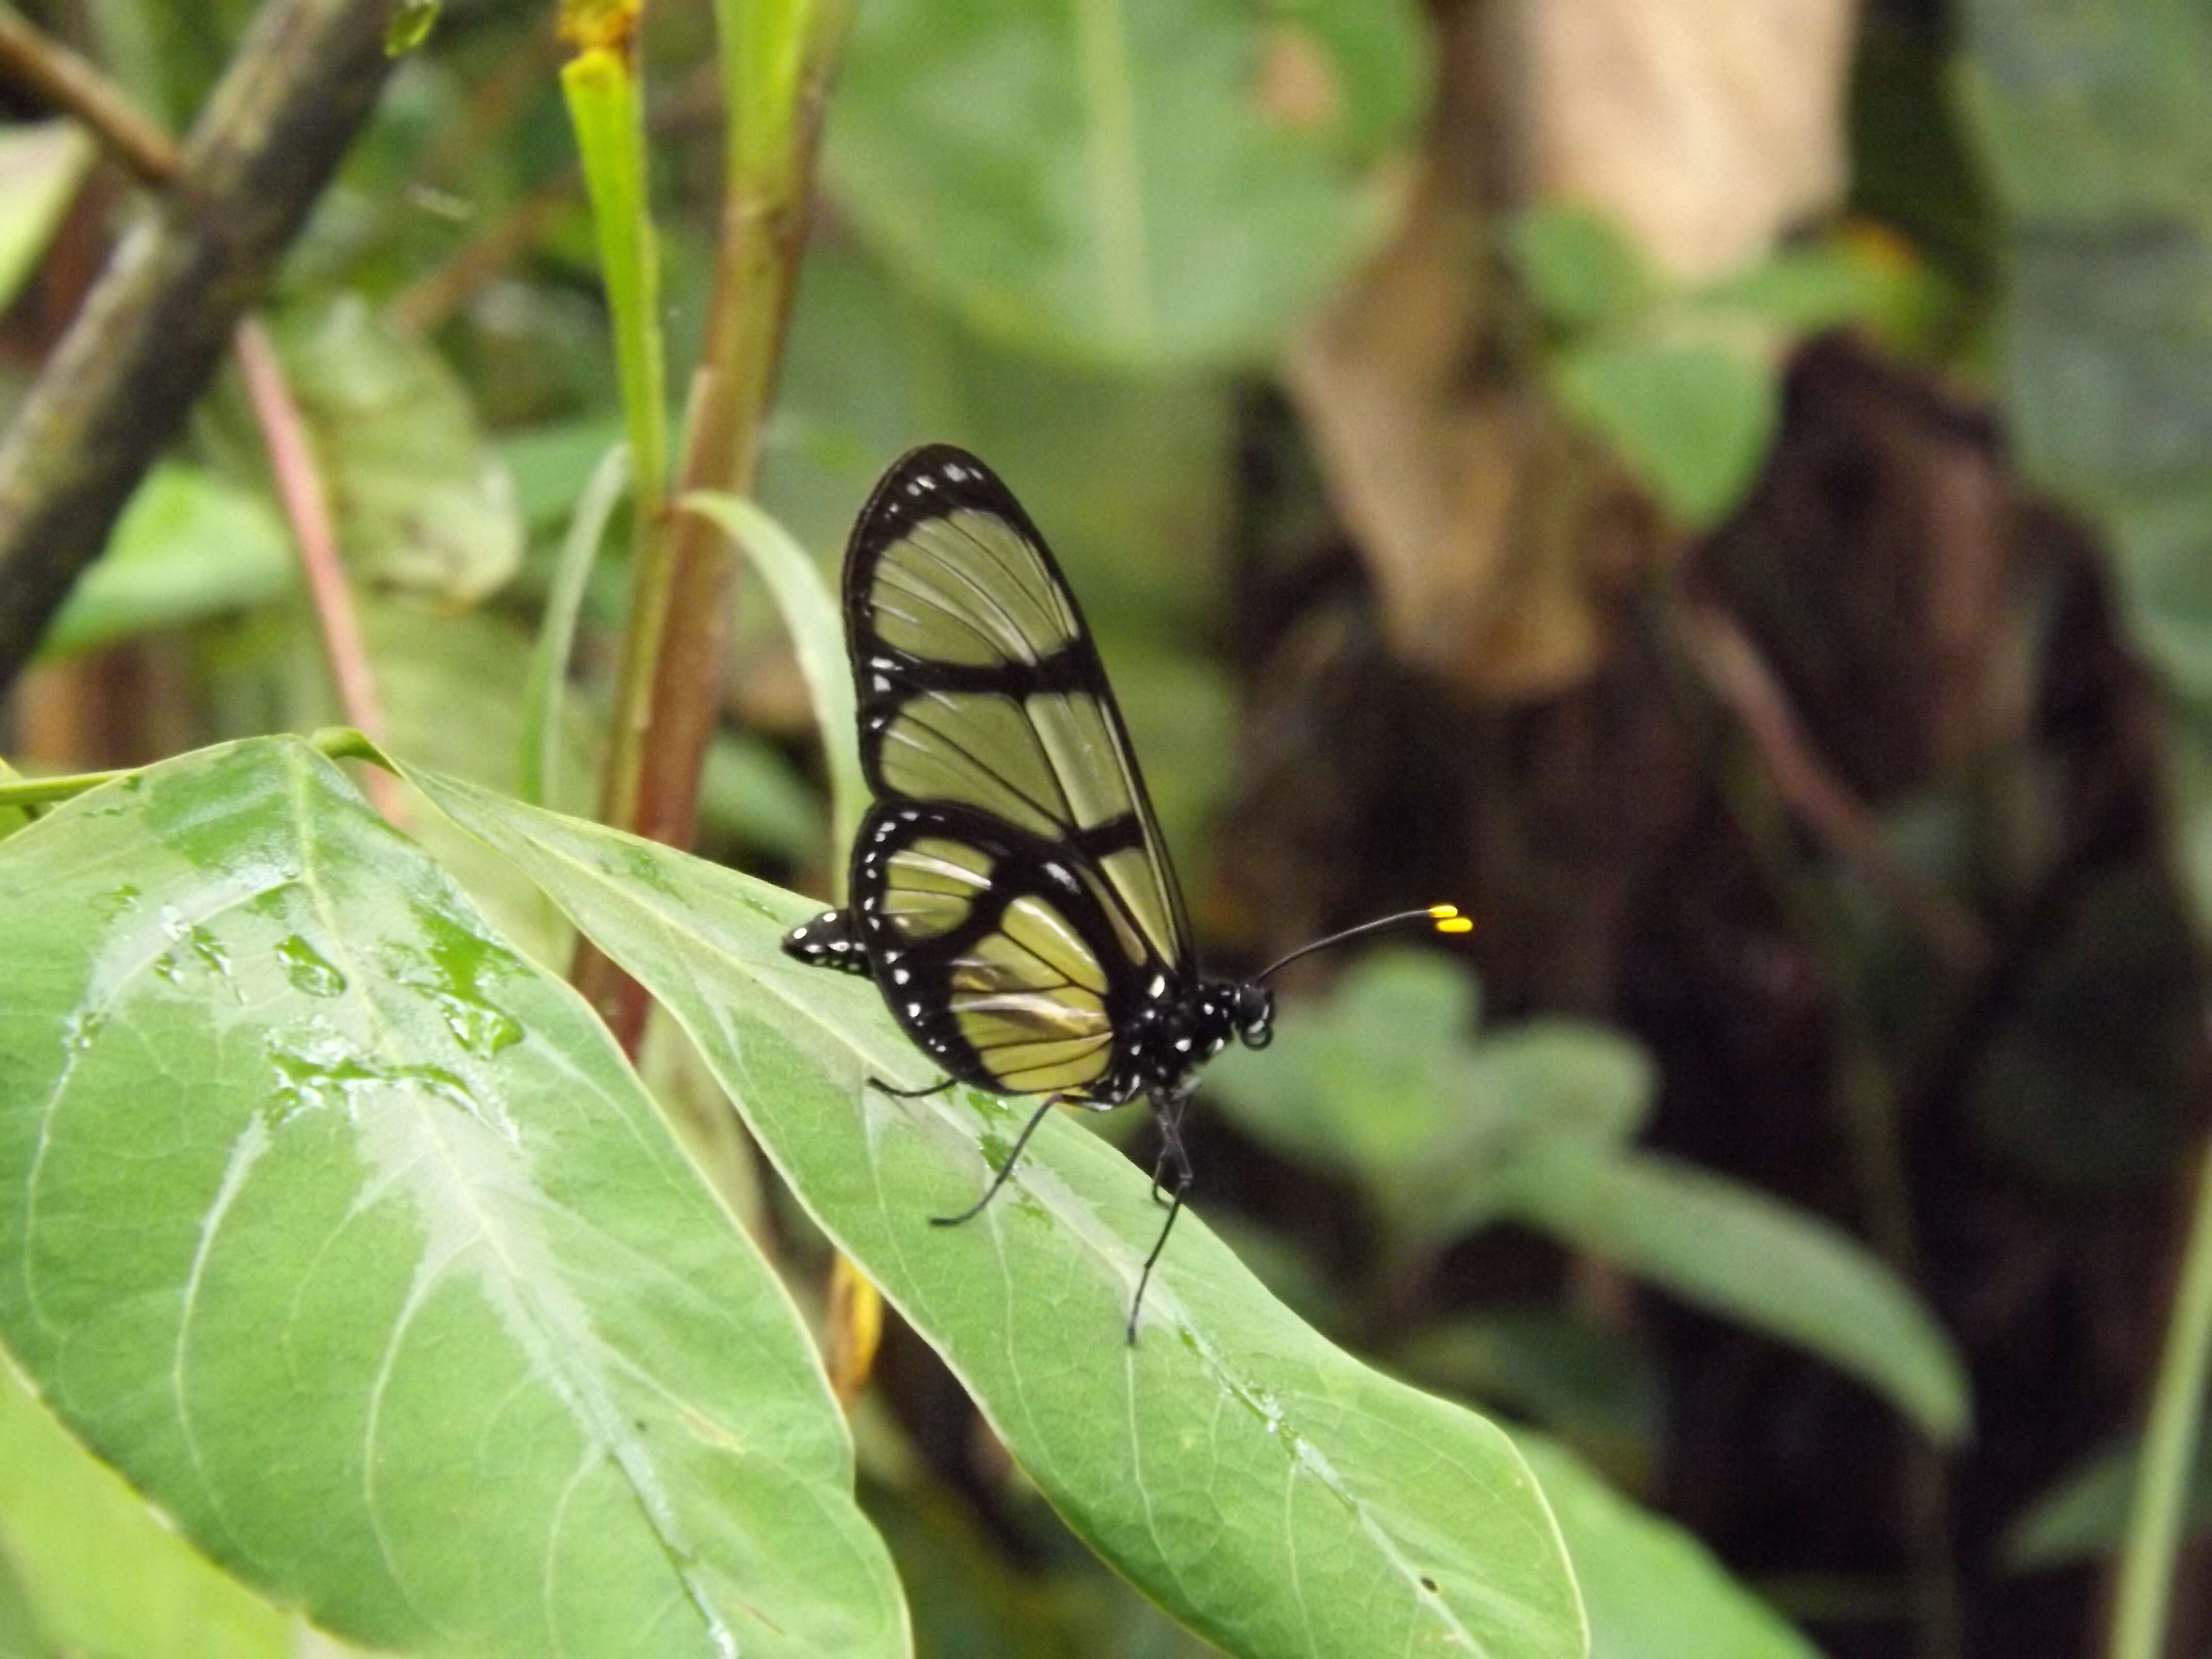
(1010,891)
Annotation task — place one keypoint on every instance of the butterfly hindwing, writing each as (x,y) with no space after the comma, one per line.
(1001,956)
(980,686)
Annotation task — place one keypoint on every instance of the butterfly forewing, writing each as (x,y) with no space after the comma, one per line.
(980,688)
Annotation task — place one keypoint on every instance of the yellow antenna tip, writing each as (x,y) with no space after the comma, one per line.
(1443,912)
(1455,924)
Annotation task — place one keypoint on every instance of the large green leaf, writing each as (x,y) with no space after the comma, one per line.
(1268,1489)
(348,1236)
(1137,181)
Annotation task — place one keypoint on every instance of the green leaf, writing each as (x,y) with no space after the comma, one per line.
(190,545)
(348,1235)
(95,1566)
(2095,122)
(1652,1589)
(1131,181)
(1731,1249)
(423,499)
(1848,279)
(2084,1514)
(1269,1490)
(41,168)
(818,634)
(1693,416)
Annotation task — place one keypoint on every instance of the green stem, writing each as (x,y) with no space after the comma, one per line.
(605,107)
(2169,1450)
(38,791)
(338,742)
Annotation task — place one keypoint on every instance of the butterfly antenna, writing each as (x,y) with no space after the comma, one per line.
(1444,918)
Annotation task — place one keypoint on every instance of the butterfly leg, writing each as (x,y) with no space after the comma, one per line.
(1169,1115)
(1171,1148)
(913,1094)
(1004,1170)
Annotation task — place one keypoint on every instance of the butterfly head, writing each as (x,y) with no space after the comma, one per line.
(1252,1011)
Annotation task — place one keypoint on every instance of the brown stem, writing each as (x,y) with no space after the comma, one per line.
(61,80)
(154,329)
(675,654)
(307,508)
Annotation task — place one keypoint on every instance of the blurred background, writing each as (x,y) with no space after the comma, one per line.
(1721,490)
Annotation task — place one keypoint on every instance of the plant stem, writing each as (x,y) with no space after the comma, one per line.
(152,331)
(39,792)
(307,509)
(338,742)
(63,81)
(2169,1451)
(776,58)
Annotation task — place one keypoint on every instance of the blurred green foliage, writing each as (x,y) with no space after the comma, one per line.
(1680,381)
(193,544)
(2084,1516)
(1141,182)
(41,168)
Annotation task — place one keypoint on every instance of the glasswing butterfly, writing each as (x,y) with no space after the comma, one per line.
(1009,891)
